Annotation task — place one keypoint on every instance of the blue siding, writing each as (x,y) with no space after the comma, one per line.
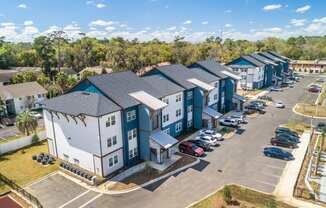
(198,108)
(172,130)
(229,90)
(127,126)
(145,129)
(241,61)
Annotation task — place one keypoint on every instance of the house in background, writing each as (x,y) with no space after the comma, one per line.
(22,97)
(227,83)
(251,70)
(309,66)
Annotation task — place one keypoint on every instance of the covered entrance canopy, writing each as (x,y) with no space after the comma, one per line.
(210,117)
(161,146)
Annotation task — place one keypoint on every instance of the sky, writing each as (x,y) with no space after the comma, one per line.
(23,20)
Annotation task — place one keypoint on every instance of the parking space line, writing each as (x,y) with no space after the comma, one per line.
(77,197)
(41,179)
(265,183)
(90,201)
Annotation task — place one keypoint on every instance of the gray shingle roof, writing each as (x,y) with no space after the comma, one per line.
(164,86)
(253,61)
(261,58)
(180,74)
(205,75)
(279,55)
(270,56)
(76,103)
(214,68)
(117,87)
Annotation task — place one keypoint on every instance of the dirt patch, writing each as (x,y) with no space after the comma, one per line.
(149,173)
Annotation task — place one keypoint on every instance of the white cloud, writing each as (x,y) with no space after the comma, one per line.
(100,5)
(110,28)
(321,20)
(272,7)
(28,23)
(90,2)
(171,28)
(22,6)
(7,24)
(102,23)
(71,27)
(123,25)
(30,30)
(303,9)
(228,11)
(187,22)
(298,22)
(273,29)
(228,25)
(204,23)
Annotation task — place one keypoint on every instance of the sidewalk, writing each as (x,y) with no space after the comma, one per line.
(285,188)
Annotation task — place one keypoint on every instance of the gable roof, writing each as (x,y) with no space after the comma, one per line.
(273,58)
(279,55)
(77,103)
(118,86)
(181,74)
(214,68)
(253,61)
(206,75)
(262,59)
(22,90)
(164,86)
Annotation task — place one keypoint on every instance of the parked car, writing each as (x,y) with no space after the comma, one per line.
(36,114)
(279,104)
(278,153)
(259,103)
(265,97)
(322,80)
(321,127)
(276,89)
(8,121)
(208,139)
(283,142)
(240,118)
(256,108)
(191,149)
(291,85)
(288,136)
(204,145)
(211,133)
(229,122)
(286,130)
(314,89)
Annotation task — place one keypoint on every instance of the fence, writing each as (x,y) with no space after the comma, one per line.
(17,144)
(32,199)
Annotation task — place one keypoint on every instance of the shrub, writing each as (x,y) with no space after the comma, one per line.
(35,138)
(271,204)
(227,195)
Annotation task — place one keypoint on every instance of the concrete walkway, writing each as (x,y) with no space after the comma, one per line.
(285,188)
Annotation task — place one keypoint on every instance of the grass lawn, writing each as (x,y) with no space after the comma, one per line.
(249,92)
(310,110)
(19,166)
(244,198)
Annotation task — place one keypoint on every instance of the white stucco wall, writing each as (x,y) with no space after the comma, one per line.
(21,103)
(212,101)
(171,109)
(250,75)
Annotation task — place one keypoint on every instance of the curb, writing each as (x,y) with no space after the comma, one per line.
(301,114)
(154,180)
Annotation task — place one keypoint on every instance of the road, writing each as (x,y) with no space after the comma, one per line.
(238,160)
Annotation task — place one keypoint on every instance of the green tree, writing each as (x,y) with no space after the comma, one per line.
(43,80)
(271,204)
(227,195)
(21,77)
(54,90)
(26,123)
(86,74)
(45,50)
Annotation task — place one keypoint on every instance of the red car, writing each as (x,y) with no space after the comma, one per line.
(314,90)
(191,149)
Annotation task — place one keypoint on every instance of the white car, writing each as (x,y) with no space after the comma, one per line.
(36,115)
(276,89)
(279,104)
(208,139)
(212,133)
(229,122)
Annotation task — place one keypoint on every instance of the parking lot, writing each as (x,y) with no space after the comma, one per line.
(238,160)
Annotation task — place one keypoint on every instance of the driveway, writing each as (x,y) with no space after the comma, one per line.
(237,160)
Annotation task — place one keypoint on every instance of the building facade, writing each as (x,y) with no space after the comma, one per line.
(309,66)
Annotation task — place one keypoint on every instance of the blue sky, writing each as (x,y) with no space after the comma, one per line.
(21,20)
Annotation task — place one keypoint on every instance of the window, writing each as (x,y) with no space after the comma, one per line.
(166,100)
(189,123)
(135,152)
(178,113)
(166,118)
(76,161)
(167,131)
(116,159)
(178,98)
(39,95)
(20,98)
(109,142)
(110,162)
(110,121)
(66,157)
(131,115)
(114,140)
(178,127)
(132,134)
(131,154)
(189,109)
(189,95)
(216,84)
(215,97)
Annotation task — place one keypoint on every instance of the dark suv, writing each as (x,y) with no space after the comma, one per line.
(281,141)
(286,130)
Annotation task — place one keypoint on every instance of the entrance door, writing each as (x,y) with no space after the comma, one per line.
(153,155)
